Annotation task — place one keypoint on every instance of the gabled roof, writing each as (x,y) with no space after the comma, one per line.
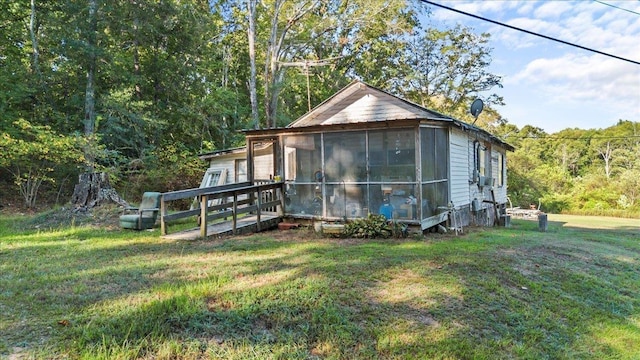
(359,103)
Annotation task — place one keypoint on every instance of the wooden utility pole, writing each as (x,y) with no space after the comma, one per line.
(306,65)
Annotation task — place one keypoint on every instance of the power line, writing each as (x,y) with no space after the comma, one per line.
(575,138)
(616,7)
(531,32)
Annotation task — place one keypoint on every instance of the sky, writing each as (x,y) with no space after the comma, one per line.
(551,85)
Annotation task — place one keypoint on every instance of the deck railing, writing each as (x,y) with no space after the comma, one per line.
(235,199)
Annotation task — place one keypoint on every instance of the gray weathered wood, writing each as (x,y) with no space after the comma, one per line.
(542,222)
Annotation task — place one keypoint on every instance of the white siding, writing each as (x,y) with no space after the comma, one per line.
(229,162)
(359,103)
(371,108)
(459,168)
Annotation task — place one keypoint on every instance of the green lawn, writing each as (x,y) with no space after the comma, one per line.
(82,293)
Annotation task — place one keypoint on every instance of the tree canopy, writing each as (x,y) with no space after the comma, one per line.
(142,87)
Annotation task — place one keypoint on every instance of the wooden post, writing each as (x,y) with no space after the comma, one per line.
(235,213)
(496,219)
(204,203)
(282,196)
(163,211)
(259,208)
(542,222)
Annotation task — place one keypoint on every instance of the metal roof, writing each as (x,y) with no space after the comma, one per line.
(360,103)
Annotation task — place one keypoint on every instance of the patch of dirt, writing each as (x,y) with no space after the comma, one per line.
(104,216)
(216,304)
(18,353)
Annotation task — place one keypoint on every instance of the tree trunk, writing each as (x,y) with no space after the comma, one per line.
(93,189)
(606,156)
(251,5)
(34,39)
(89,100)
(136,53)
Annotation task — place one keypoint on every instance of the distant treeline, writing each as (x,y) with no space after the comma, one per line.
(591,172)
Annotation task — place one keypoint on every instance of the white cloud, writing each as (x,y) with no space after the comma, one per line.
(592,80)
(562,77)
(526,7)
(552,9)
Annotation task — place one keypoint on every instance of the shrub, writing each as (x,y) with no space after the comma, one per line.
(33,154)
(373,226)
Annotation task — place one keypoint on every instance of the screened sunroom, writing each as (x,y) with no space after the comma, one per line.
(364,151)
(400,173)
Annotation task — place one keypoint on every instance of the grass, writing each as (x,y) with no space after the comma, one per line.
(77,292)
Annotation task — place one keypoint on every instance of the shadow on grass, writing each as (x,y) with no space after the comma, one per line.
(491,294)
(49,280)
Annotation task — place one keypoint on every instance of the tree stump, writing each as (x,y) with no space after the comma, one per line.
(92,190)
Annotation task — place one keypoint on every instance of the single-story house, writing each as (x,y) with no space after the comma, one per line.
(365,151)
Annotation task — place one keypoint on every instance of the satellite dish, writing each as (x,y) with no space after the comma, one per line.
(476,108)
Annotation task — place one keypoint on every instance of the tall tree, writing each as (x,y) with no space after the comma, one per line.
(89,120)
(309,30)
(251,35)
(447,69)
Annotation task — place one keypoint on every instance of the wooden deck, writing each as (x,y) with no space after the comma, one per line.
(245,225)
(235,209)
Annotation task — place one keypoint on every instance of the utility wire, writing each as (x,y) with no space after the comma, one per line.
(530,32)
(574,138)
(616,7)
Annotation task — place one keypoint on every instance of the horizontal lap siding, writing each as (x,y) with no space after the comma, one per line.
(459,168)
(371,109)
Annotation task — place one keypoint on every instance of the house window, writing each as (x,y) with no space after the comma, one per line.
(501,169)
(482,161)
(240,170)
(214,177)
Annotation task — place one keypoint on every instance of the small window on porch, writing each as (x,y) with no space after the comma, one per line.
(214,177)
(240,170)
(302,157)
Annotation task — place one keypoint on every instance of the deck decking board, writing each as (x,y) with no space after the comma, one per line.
(244,225)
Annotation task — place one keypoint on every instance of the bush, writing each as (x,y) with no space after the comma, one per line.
(35,155)
(373,226)
(168,168)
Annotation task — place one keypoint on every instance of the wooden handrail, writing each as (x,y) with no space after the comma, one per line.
(254,203)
